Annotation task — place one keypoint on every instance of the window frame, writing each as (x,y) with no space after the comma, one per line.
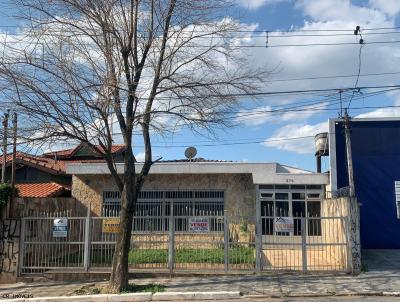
(310,195)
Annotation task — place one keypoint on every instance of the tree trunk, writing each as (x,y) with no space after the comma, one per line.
(119,275)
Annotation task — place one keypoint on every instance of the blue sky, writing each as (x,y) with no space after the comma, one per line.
(264,137)
(274,15)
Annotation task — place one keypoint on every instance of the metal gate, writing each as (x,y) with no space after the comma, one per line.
(311,244)
(177,243)
(296,232)
(171,234)
(41,250)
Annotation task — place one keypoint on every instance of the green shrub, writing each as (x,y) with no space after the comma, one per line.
(5,193)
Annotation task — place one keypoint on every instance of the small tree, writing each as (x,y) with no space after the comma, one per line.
(80,65)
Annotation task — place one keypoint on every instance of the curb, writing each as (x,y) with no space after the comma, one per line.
(161,296)
(311,295)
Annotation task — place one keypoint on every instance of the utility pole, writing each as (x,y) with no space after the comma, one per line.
(354,211)
(347,133)
(5,130)
(13,167)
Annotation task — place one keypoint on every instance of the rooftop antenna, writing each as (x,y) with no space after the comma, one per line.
(190,153)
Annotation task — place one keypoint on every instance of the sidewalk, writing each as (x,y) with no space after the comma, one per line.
(278,285)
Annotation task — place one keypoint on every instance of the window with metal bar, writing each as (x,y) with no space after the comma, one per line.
(153,208)
(297,201)
(397,193)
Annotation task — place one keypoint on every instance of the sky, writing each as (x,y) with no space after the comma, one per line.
(287,137)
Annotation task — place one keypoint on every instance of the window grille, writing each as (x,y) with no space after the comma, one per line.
(154,206)
(295,201)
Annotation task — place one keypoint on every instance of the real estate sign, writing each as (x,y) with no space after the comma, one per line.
(111,225)
(199,224)
(284,224)
(60,227)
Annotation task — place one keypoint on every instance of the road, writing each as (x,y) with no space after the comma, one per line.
(321,299)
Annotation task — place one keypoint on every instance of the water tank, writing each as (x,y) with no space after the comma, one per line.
(321,144)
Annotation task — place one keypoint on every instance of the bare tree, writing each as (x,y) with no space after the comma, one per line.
(80,65)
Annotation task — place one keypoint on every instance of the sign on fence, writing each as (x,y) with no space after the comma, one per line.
(60,227)
(284,224)
(111,225)
(199,224)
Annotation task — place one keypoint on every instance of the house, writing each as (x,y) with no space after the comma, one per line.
(299,229)
(375,145)
(45,175)
(214,186)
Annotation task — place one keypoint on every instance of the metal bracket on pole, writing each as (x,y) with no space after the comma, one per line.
(258,236)
(171,239)
(226,241)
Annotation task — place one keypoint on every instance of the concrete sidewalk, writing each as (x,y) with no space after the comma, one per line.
(277,285)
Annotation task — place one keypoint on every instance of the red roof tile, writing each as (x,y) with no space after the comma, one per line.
(49,189)
(65,154)
(46,163)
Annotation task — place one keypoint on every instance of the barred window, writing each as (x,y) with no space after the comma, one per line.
(153,208)
(295,201)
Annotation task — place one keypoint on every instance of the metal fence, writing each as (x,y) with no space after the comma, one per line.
(176,240)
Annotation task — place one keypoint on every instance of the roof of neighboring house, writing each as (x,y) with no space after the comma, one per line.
(195,160)
(48,189)
(68,153)
(48,164)
(55,162)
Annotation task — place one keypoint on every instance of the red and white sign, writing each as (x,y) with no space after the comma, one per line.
(199,224)
(284,224)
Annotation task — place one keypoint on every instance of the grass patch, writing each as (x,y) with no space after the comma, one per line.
(237,255)
(90,289)
(186,255)
(147,288)
(148,256)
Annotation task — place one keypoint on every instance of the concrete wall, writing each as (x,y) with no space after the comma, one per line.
(9,249)
(37,206)
(239,189)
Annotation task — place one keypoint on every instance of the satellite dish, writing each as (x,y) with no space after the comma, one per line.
(190,152)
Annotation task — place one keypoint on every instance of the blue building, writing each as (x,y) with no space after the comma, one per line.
(376,165)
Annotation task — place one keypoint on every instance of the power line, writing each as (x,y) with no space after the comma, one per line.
(334,76)
(358,33)
(233,46)
(265,94)
(216,144)
(259,30)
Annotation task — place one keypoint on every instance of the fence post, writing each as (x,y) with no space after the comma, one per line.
(258,234)
(21,247)
(171,241)
(226,241)
(304,243)
(86,255)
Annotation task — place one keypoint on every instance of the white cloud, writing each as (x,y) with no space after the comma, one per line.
(390,7)
(140,156)
(255,4)
(297,138)
(332,10)
(384,112)
(267,114)
(315,61)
